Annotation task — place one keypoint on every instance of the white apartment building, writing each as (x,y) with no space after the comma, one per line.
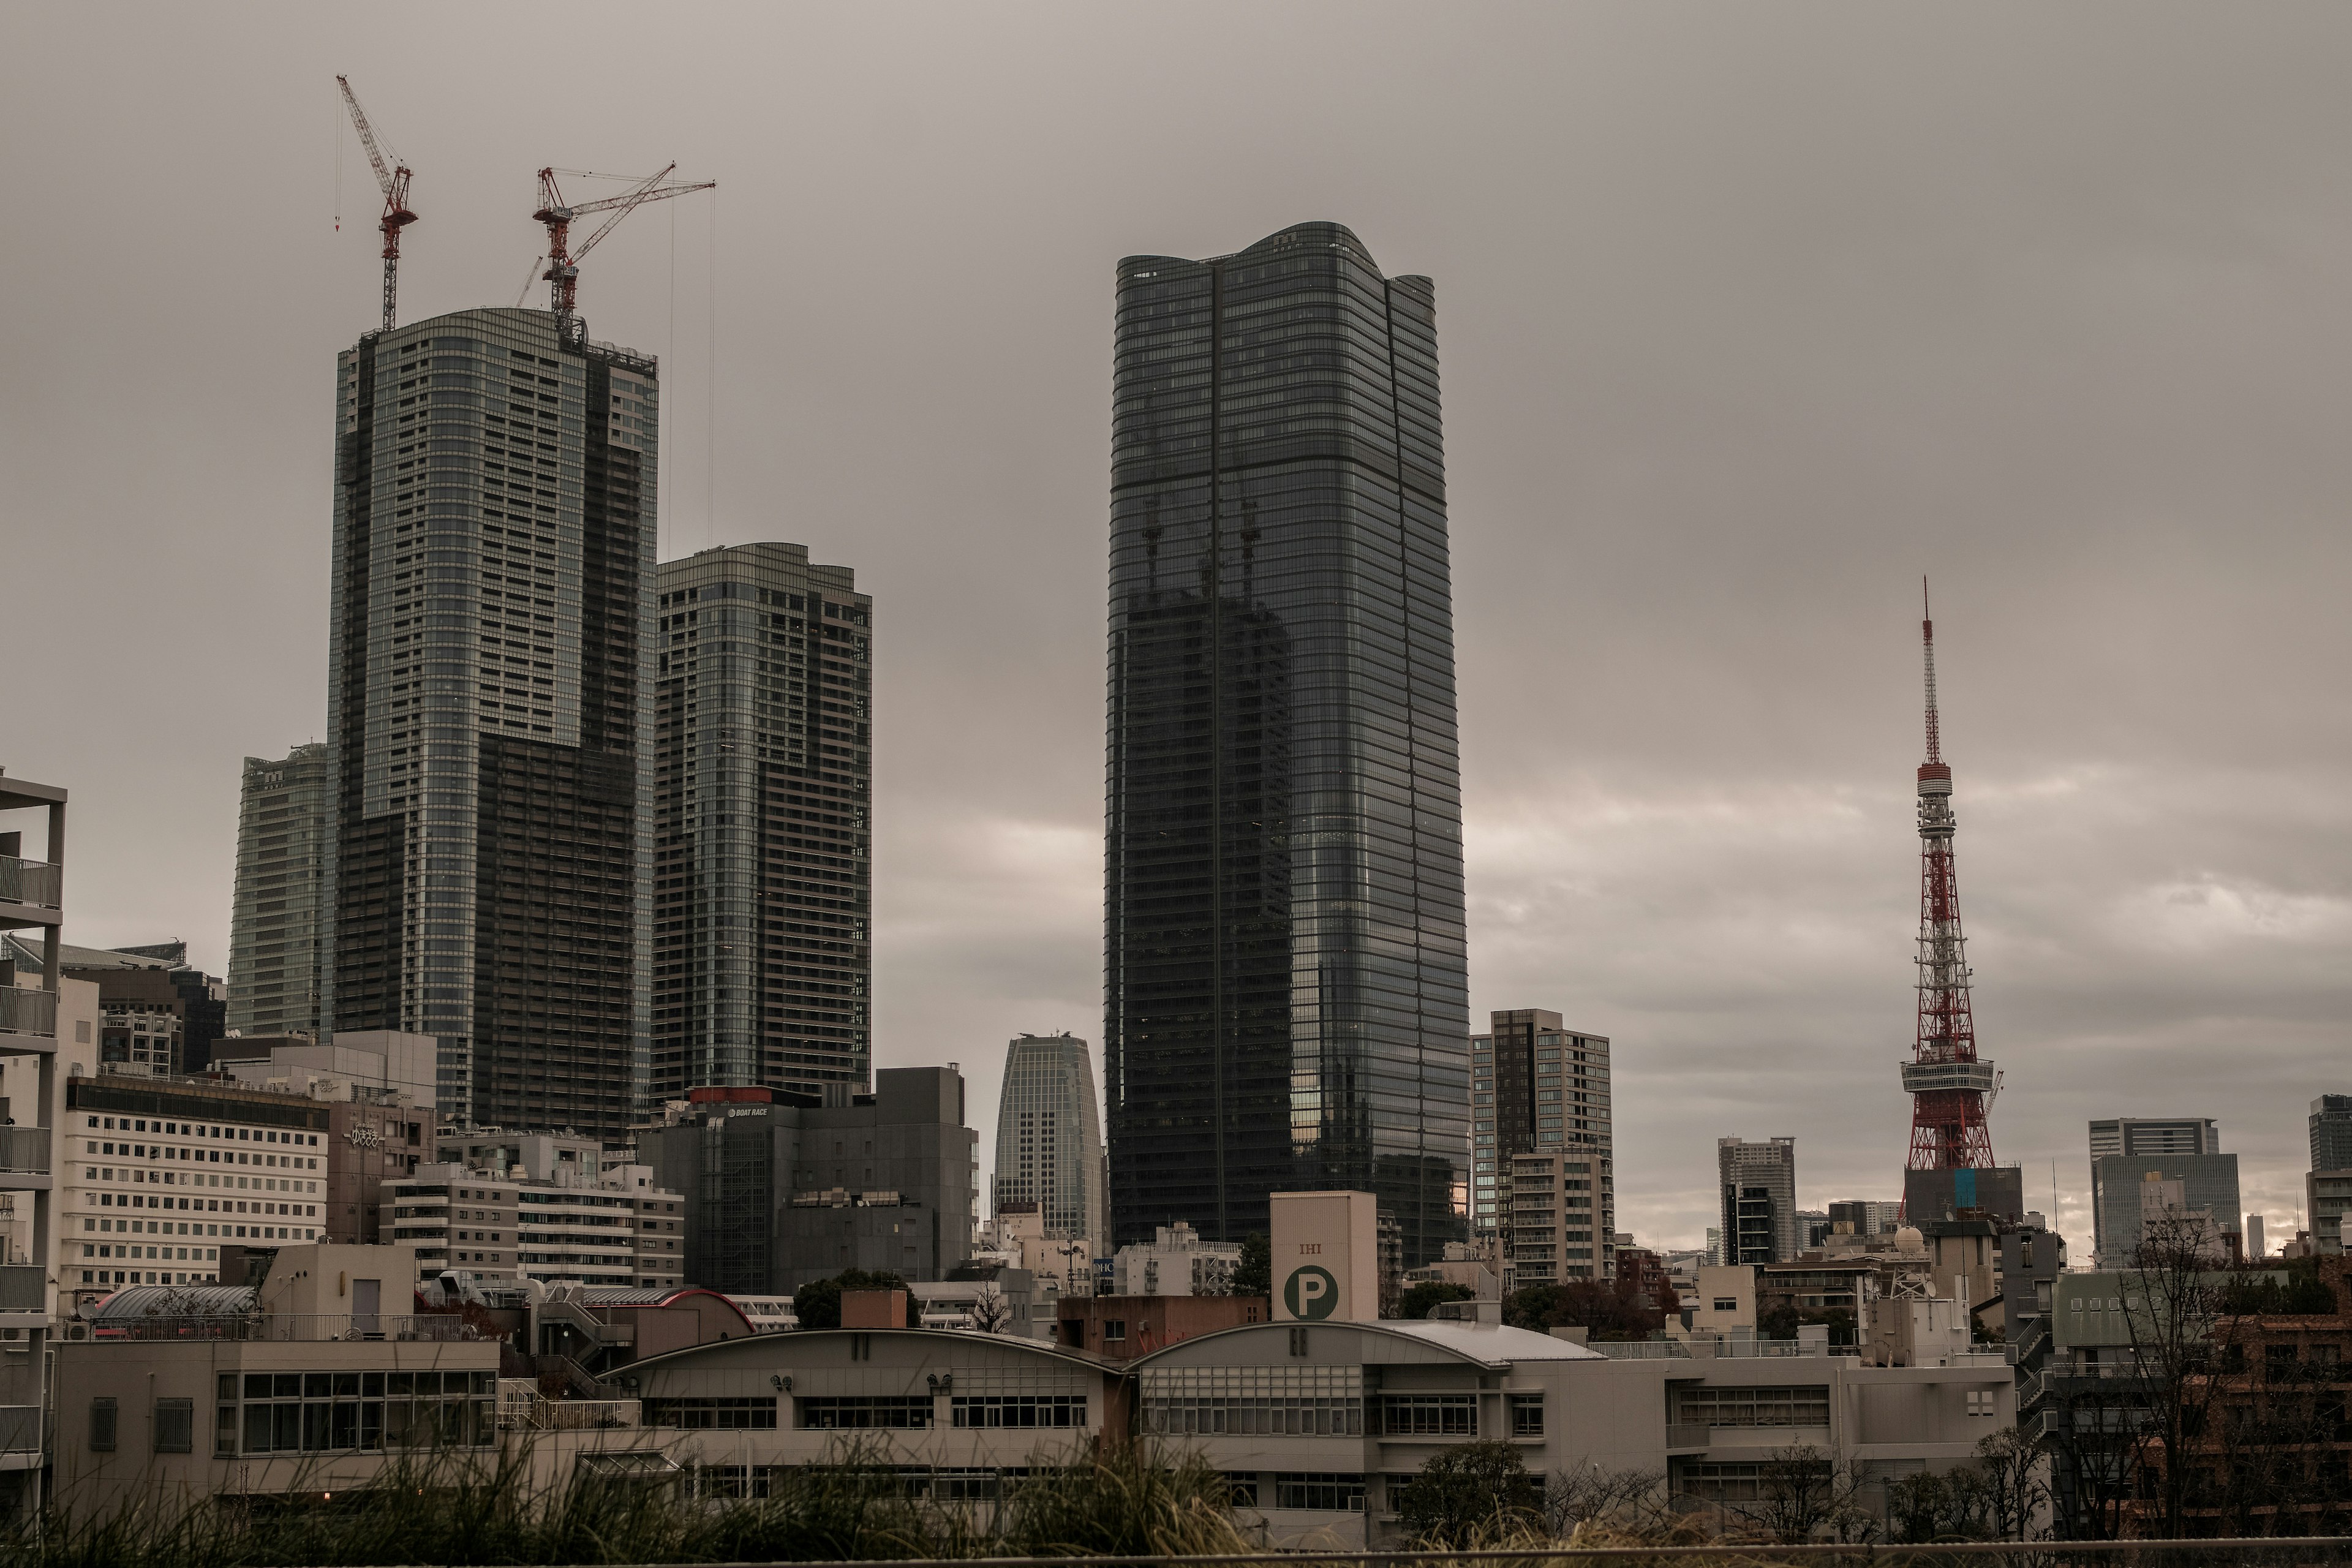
(610,1227)
(1177,1261)
(1555,1198)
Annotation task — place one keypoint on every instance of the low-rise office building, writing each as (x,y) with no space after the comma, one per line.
(579,1221)
(1321,1425)
(1177,1261)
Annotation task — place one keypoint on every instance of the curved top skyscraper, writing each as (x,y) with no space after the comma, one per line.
(1286,1001)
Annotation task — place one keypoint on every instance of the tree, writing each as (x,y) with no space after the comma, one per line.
(1802,1492)
(1478,1491)
(991,1312)
(2174,1298)
(1610,1311)
(1576,1498)
(1423,1297)
(817,1304)
(1254,1275)
(2016,1473)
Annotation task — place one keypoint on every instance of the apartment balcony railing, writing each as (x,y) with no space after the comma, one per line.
(26,1011)
(23,1288)
(35,882)
(20,1429)
(25,1150)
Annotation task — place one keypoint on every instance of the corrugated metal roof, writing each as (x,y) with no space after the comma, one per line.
(134,1301)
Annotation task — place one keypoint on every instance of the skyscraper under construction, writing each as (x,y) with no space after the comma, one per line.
(1285,1002)
(492,604)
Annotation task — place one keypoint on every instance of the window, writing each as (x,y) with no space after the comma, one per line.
(101,1425)
(1019,1410)
(321,1412)
(1332,1493)
(1114,1330)
(176,1425)
(1527,1415)
(1430,1414)
(712,1414)
(1727,1304)
(1241,1489)
(842,1413)
(1981,1402)
(1802,1406)
(1298,1341)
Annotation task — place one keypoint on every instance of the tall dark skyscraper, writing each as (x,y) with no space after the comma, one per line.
(488,872)
(1286,999)
(763,866)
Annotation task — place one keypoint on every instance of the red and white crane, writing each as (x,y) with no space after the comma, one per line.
(562,272)
(392,174)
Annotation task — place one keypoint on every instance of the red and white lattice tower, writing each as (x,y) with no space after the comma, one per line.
(1947,1083)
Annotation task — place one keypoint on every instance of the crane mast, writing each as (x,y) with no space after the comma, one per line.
(562,272)
(392,177)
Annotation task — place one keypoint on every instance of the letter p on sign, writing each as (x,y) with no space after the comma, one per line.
(1310,1292)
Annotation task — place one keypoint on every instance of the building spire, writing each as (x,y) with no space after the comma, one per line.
(1927,644)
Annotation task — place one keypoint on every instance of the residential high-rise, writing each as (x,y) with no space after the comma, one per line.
(278,933)
(1049,1147)
(488,873)
(1758,1181)
(2204,1182)
(1537,1087)
(2142,1136)
(764,867)
(2331,1133)
(1286,1004)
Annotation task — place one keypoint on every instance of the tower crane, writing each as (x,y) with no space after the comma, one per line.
(562,272)
(395,181)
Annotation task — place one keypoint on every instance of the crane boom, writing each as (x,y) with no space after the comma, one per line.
(562,262)
(393,178)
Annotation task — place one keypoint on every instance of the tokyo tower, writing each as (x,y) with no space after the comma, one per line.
(1947,1083)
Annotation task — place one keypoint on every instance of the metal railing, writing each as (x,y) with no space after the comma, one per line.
(569,1416)
(27,1011)
(35,882)
(25,1150)
(20,1429)
(2265,1551)
(23,1288)
(283,1328)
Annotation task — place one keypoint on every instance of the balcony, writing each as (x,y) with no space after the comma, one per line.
(27,1012)
(24,1152)
(20,1436)
(23,1288)
(30,892)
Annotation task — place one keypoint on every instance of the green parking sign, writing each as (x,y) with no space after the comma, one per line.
(1311,1292)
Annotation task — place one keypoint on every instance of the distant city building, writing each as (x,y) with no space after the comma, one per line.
(763,869)
(1994,1192)
(1177,1261)
(568,1217)
(278,935)
(2208,1185)
(1867,1217)
(1714,1246)
(1535,1084)
(381,1061)
(1049,1148)
(203,1001)
(782,1189)
(2331,1133)
(2141,1136)
(1758,1184)
(489,879)
(1560,1213)
(1813,1228)
(145,1001)
(1286,995)
(2257,1245)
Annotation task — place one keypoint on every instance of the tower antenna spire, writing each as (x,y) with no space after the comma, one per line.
(1948,1084)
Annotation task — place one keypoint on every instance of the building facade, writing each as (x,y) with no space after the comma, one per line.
(780,1190)
(2204,1183)
(157,1175)
(764,737)
(2139,1136)
(1758,1184)
(1049,1147)
(489,871)
(278,930)
(1535,1084)
(1561,1217)
(1286,1000)
(590,1223)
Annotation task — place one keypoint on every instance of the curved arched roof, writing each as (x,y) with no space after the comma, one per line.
(795,1344)
(1492,1347)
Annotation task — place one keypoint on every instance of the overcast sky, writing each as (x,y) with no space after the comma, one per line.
(1748,315)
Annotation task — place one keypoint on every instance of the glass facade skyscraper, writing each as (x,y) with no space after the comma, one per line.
(491,633)
(1285,998)
(1049,1147)
(275,937)
(764,737)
